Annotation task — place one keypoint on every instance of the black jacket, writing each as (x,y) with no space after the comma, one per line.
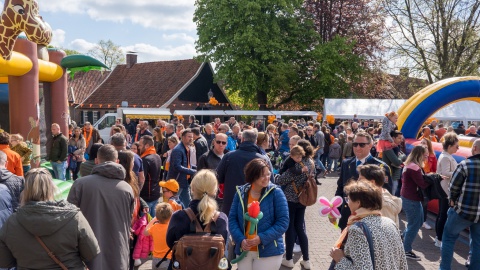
(230,170)
(57,148)
(209,160)
(151,168)
(201,147)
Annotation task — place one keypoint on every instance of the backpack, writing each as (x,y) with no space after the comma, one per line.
(202,249)
(307,195)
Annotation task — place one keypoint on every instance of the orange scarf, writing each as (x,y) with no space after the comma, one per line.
(87,139)
(354,217)
(149,151)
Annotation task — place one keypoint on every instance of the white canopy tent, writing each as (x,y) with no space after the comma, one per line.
(376,109)
(196,112)
(254,113)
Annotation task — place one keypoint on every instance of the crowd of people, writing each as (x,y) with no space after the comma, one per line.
(135,194)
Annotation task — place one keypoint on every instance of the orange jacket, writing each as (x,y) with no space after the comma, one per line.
(14,161)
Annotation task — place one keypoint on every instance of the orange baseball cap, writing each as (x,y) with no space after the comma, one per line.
(171,184)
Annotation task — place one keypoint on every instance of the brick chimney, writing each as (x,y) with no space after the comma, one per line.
(131,59)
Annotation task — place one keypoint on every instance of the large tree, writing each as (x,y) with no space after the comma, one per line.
(269,51)
(436,38)
(108,53)
(361,22)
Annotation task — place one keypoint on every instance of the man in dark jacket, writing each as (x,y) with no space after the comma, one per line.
(14,183)
(212,158)
(201,144)
(362,143)
(394,158)
(107,202)
(209,135)
(57,151)
(152,164)
(230,171)
(180,167)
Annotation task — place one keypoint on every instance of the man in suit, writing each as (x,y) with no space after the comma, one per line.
(180,167)
(362,143)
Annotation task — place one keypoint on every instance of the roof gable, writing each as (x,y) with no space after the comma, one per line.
(83,84)
(151,84)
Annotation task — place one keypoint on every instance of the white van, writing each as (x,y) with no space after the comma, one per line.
(105,123)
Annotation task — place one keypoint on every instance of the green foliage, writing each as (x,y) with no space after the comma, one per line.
(268,50)
(108,53)
(70,52)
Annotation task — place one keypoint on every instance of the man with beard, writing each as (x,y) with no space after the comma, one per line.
(181,168)
(152,164)
(143,131)
(91,136)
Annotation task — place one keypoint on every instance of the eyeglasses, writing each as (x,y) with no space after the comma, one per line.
(361,144)
(346,199)
(165,190)
(221,142)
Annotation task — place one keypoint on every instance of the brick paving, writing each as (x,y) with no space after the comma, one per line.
(322,236)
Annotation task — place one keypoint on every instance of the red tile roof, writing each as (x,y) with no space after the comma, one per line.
(84,83)
(152,83)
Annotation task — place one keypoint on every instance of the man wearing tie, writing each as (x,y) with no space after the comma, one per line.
(362,143)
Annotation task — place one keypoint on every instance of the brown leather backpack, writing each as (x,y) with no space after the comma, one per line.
(307,194)
(203,249)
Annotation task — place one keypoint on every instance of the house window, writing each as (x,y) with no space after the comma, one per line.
(95,117)
(85,116)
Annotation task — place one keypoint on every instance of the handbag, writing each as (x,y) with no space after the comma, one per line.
(50,254)
(307,195)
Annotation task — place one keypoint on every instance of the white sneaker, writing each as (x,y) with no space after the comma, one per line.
(438,243)
(287,263)
(306,264)
(427,226)
(296,248)
(137,262)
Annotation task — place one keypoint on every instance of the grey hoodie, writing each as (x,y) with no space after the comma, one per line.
(62,228)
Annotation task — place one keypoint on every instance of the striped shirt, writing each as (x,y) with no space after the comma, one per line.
(465,189)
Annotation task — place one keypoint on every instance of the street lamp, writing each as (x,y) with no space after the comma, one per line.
(210,94)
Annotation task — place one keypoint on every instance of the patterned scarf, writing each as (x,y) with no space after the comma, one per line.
(356,216)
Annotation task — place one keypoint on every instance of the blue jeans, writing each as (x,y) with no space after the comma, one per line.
(151,207)
(59,170)
(318,162)
(414,212)
(335,164)
(456,224)
(184,196)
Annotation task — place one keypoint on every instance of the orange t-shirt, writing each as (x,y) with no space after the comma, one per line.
(158,231)
(14,164)
(175,206)
(255,248)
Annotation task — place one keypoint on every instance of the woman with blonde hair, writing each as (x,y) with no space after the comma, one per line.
(204,188)
(20,147)
(59,225)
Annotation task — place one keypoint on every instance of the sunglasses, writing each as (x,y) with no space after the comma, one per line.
(221,142)
(361,144)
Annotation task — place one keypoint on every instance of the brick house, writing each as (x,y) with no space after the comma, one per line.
(176,85)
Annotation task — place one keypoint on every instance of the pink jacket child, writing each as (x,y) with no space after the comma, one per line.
(144,243)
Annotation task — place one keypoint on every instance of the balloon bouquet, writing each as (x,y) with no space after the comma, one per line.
(330,207)
(253,216)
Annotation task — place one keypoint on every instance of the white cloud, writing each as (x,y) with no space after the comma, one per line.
(58,38)
(157,14)
(81,45)
(179,36)
(150,53)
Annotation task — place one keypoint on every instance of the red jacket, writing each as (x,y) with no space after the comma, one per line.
(14,161)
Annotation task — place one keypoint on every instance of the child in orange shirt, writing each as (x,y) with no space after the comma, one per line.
(157,228)
(170,189)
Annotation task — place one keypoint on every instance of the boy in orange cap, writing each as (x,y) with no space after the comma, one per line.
(169,190)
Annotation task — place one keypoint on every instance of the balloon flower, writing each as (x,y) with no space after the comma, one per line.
(330,207)
(253,216)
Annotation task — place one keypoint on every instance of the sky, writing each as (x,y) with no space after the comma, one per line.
(155,29)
